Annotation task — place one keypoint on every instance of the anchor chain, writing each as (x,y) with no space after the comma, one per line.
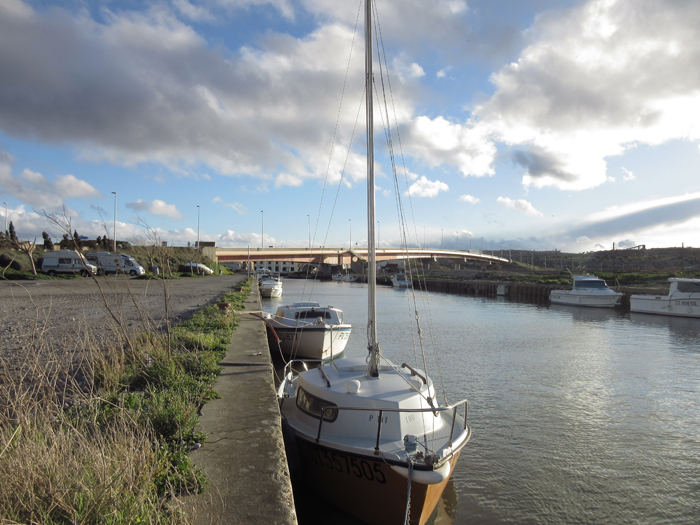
(408,497)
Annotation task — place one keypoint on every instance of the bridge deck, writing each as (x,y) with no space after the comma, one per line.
(337,256)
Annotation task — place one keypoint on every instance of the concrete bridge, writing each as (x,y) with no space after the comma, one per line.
(344,256)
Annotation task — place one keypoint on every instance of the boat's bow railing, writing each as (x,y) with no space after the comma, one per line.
(288,367)
(381,411)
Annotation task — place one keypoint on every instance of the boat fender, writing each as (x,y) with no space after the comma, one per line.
(425,477)
(352,386)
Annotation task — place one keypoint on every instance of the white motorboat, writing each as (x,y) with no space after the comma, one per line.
(588,290)
(347,278)
(270,285)
(308,330)
(399,281)
(372,436)
(683,300)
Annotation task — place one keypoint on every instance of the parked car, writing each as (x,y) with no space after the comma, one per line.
(115,263)
(197,268)
(67,261)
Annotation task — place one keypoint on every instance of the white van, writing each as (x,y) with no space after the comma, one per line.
(115,263)
(131,265)
(67,261)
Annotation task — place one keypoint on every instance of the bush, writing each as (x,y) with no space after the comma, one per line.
(14,261)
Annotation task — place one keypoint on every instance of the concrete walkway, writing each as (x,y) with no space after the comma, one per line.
(244,457)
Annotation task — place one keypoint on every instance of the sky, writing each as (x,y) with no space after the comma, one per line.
(524,124)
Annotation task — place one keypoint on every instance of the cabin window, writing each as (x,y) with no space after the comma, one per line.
(313,314)
(688,287)
(64,261)
(589,284)
(313,405)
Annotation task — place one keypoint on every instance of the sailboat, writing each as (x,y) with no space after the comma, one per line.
(372,436)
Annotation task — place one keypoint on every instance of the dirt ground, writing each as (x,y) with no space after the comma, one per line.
(66,315)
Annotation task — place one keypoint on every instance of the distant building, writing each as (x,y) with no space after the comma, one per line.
(279,266)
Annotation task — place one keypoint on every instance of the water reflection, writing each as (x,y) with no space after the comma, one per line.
(684,330)
(584,314)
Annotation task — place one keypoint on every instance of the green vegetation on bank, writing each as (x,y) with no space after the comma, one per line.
(112,447)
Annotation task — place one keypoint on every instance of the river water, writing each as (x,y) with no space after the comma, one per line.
(579,415)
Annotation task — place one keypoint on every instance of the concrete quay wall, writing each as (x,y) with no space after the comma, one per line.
(523,291)
(244,457)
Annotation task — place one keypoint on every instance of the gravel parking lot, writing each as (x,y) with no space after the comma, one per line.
(65,314)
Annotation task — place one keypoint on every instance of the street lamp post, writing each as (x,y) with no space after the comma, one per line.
(309,217)
(198,215)
(350,220)
(442,238)
(115,223)
(262,227)
(379,232)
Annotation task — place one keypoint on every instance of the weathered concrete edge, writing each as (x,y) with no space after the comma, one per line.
(244,457)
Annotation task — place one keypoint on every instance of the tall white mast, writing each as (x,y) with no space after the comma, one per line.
(372,343)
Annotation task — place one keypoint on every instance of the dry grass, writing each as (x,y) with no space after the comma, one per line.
(99,435)
(63,461)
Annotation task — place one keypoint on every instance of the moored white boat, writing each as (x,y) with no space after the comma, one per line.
(308,330)
(270,285)
(347,278)
(588,290)
(372,436)
(377,432)
(683,300)
(399,281)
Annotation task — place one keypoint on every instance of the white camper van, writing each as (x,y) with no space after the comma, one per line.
(66,261)
(131,265)
(115,263)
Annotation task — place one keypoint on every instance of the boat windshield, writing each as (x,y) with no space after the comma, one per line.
(589,284)
(688,287)
(313,314)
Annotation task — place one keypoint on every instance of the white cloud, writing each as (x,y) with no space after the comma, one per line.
(238,208)
(469,199)
(287,179)
(443,72)
(156,207)
(70,186)
(438,141)
(34,189)
(521,205)
(427,188)
(406,68)
(584,90)
(628,175)
(193,12)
